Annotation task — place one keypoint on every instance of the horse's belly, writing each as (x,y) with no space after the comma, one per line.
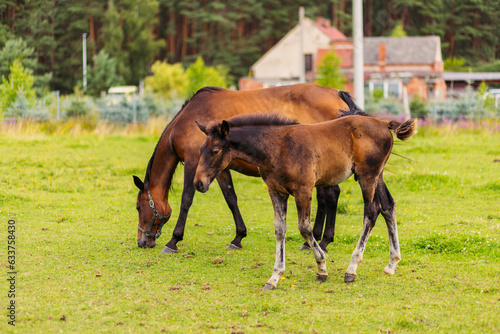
(334,175)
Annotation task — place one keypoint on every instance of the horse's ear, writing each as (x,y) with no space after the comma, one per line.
(224,128)
(138,183)
(202,127)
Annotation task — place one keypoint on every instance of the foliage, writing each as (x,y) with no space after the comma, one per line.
(102,75)
(19,82)
(77,210)
(491,66)
(378,94)
(168,80)
(398,31)
(486,101)
(454,64)
(234,34)
(418,108)
(138,46)
(77,108)
(16,49)
(123,112)
(328,71)
(378,105)
(469,105)
(199,75)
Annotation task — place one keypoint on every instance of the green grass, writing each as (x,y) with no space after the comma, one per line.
(74,203)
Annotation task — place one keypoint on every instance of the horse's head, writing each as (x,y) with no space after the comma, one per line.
(152,216)
(214,154)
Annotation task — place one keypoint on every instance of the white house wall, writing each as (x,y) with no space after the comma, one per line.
(283,60)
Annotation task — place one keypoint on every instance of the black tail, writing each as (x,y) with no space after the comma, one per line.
(353,108)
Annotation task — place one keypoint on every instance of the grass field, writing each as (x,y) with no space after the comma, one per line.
(79,269)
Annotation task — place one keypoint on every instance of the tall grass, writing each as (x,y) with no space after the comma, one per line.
(82,125)
(156,124)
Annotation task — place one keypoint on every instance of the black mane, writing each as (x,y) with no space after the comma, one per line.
(150,163)
(260,120)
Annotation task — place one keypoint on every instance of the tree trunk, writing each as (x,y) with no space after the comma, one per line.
(184,37)
(91,27)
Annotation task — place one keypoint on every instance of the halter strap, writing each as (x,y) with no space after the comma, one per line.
(163,219)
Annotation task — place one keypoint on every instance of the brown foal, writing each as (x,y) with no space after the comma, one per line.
(294,158)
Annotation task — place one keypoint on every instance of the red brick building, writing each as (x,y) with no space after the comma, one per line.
(391,64)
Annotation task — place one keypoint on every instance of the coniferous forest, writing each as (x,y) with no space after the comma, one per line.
(231,33)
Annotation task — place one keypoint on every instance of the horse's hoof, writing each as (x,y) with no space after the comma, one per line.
(349,278)
(305,247)
(323,247)
(389,271)
(168,250)
(321,278)
(233,246)
(269,287)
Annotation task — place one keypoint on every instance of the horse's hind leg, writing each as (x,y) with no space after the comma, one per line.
(327,207)
(226,185)
(280,206)
(303,202)
(371,213)
(388,209)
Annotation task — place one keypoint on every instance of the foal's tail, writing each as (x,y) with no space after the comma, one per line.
(403,130)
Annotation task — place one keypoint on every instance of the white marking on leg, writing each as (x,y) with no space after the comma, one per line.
(357,255)
(394,251)
(279,204)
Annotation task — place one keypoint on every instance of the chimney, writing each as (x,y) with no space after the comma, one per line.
(324,22)
(381,54)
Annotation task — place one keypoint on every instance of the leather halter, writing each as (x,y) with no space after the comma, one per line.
(163,219)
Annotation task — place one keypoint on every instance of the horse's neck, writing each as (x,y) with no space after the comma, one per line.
(164,164)
(247,145)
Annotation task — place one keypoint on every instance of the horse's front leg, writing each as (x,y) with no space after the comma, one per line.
(303,202)
(187,200)
(226,185)
(280,206)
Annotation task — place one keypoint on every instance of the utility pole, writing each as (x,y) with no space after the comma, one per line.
(357,36)
(84,48)
(302,74)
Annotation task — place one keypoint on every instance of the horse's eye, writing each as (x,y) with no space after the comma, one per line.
(215,152)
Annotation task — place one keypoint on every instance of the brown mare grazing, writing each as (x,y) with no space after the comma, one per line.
(294,158)
(181,141)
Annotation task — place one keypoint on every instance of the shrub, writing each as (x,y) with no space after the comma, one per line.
(168,81)
(77,109)
(20,82)
(382,106)
(123,112)
(199,75)
(329,74)
(418,108)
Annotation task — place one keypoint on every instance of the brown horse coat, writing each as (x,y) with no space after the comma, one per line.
(294,158)
(181,141)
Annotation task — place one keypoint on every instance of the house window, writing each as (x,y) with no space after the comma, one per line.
(388,87)
(393,89)
(308,58)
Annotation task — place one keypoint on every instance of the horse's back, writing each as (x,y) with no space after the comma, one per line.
(307,103)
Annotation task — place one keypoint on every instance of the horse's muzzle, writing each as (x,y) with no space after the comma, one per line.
(145,242)
(201,187)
